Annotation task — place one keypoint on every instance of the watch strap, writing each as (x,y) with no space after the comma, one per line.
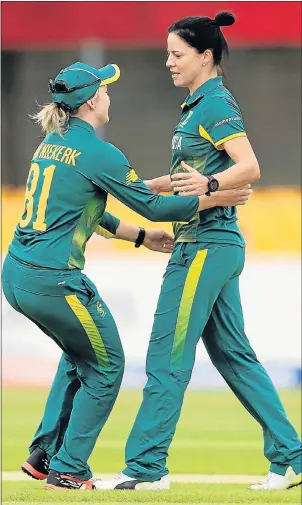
(140,237)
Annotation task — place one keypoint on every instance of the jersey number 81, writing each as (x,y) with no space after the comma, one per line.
(30,204)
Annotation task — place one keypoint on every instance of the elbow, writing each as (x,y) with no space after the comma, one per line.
(147,213)
(255,171)
(160,219)
(155,218)
(153,210)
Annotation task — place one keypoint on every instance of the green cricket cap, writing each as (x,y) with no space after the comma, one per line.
(76,84)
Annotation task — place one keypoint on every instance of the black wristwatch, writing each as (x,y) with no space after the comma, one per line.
(213,185)
(140,237)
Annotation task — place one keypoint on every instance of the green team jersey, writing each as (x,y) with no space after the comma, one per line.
(66,195)
(210,117)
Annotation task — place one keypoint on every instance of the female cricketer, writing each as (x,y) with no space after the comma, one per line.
(71,174)
(200,293)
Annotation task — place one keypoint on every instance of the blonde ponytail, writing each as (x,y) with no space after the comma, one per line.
(52,117)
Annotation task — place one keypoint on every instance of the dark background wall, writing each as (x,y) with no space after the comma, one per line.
(145,107)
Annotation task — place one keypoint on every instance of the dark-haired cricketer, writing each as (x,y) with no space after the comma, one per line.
(200,299)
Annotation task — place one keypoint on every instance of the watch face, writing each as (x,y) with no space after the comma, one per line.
(213,185)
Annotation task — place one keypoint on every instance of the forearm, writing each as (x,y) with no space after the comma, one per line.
(157,208)
(170,208)
(160,184)
(111,227)
(240,174)
(208,202)
(127,232)
(205,202)
(153,239)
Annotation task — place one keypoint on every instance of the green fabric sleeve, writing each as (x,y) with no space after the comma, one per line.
(108,225)
(114,175)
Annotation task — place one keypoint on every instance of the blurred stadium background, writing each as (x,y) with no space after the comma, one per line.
(263,71)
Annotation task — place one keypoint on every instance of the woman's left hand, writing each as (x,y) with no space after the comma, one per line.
(190,182)
(159,240)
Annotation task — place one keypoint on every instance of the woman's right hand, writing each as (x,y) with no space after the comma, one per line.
(233,197)
(159,184)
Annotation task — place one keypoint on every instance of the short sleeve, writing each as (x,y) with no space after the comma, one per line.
(226,121)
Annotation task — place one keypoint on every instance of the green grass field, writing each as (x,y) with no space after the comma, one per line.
(215,435)
(180,493)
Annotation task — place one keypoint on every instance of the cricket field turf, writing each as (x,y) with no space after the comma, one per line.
(215,436)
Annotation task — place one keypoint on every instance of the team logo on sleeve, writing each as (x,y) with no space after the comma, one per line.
(131,176)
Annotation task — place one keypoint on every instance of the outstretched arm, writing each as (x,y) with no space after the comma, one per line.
(227,198)
(116,177)
(159,184)
(155,239)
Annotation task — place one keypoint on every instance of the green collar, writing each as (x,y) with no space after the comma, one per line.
(203,90)
(75,121)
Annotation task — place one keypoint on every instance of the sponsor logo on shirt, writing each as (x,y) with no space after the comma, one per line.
(176,143)
(100,309)
(131,176)
(184,122)
(235,118)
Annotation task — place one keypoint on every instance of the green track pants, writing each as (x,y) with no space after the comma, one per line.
(200,298)
(66,306)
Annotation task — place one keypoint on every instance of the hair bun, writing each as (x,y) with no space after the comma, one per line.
(224,19)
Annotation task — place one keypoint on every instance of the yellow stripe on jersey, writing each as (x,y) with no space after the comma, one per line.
(204,134)
(225,139)
(103,232)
